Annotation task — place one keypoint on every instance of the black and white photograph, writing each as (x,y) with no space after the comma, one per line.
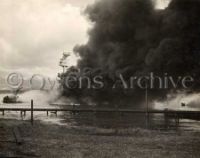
(99,78)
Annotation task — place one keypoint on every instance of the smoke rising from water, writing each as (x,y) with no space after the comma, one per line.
(173,102)
(39,97)
(131,37)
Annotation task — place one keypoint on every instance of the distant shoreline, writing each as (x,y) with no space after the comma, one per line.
(5,91)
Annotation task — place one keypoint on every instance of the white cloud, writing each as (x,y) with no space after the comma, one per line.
(34,33)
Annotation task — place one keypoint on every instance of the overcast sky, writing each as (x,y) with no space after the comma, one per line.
(34,33)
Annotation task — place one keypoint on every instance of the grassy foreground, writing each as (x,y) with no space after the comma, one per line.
(54,141)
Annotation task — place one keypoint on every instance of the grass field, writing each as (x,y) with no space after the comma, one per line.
(54,141)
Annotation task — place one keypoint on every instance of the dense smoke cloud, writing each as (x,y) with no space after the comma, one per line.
(132,38)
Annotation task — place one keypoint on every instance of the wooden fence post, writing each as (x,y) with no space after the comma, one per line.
(31,112)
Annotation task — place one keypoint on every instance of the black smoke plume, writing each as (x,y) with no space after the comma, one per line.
(132,38)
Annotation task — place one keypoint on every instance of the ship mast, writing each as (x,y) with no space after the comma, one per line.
(63,62)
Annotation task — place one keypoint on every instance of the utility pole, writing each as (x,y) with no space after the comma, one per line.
(147,105)
(146,100)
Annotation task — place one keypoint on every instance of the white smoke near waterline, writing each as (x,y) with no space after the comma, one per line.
(191,102)
(39,97)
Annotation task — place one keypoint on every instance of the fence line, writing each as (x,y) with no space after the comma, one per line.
(176,114)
